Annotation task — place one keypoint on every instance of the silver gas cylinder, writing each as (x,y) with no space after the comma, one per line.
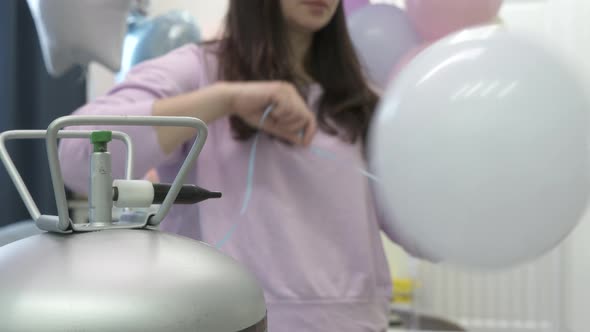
(118,275)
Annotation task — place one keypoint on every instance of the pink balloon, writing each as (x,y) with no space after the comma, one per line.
(352,5)
(434,19)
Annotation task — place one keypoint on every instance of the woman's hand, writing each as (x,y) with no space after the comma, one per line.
(290,118)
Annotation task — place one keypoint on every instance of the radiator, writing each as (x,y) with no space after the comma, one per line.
(527,298)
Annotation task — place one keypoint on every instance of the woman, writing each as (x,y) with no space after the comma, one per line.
(310,234)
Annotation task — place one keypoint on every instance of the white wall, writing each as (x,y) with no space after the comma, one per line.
(568,28)
(563,24)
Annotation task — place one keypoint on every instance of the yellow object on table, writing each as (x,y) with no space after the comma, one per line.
(403,291)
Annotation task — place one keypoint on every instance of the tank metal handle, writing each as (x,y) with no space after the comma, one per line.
(42,134)
(152,121)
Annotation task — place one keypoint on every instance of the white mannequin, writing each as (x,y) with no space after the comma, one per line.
(77,32)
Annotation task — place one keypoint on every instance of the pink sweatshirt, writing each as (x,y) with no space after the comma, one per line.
(311,232)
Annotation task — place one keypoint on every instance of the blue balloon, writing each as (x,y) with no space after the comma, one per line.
(150,38)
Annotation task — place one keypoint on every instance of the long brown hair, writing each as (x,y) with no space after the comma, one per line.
(255,48)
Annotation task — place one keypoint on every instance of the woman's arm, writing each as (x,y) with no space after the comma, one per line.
(248,100)
(208,105)
(179,72)
(174,85)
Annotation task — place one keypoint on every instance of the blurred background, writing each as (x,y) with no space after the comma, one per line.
(550,294)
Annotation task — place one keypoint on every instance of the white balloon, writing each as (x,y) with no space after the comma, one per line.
(481,145)
(80,32)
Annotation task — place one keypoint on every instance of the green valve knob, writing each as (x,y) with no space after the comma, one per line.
(100,139)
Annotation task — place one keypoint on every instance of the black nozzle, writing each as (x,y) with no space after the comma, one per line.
(189,194)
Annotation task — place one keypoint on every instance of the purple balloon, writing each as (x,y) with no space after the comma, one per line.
(352,5)
(382,36)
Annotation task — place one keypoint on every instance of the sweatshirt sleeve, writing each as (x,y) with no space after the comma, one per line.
(178,72)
